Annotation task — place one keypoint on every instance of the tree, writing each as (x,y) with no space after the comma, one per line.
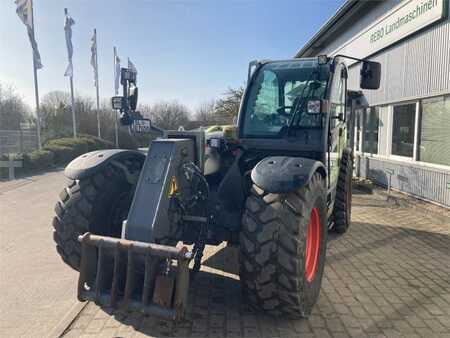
(206,114)
(168,115)
(56,115)
(13,109)
(227,107)
(56,110)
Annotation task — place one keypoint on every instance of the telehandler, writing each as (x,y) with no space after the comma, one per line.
(274,189)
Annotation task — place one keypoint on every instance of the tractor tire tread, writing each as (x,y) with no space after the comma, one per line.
(73,211)
(270,249)
(341,209)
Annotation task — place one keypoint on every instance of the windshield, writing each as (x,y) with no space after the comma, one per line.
(279,93)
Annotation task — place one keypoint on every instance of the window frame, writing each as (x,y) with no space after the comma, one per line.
(389,129)
(363,121)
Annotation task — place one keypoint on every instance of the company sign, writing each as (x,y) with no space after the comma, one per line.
(405,19)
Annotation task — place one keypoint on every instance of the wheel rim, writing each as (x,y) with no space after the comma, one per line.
(312,245)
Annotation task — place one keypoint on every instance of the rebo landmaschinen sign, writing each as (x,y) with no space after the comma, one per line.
(406,18)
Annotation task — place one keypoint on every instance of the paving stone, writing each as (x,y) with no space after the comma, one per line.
(386,277)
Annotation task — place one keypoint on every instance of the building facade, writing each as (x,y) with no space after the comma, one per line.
(404,135)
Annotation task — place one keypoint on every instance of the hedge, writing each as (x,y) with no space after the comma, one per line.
(56,152)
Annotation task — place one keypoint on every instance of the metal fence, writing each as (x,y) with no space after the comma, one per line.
(17,141)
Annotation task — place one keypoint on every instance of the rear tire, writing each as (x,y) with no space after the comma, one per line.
(342,210)
(96,204)
(274,271)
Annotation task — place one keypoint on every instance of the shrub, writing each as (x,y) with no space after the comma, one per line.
(66,149)
(78,145)
(58,152)
(38,160)
(95,143)
(127,141)
(61,155)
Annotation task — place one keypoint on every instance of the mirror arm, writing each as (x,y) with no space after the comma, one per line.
(349,57)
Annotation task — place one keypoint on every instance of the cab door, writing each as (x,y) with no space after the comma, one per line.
(337,135)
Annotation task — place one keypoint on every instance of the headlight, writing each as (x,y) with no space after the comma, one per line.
(322,59)
(313,107)
(214,143)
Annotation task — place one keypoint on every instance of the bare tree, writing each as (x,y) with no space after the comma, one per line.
(169,115)
(13,109)
(206,114)
(56,115)
(227,107)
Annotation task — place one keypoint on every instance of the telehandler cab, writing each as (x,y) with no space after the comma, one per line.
(274,189)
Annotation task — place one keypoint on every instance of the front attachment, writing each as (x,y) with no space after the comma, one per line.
(134,275)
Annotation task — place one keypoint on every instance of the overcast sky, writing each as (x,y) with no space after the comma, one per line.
(189,50)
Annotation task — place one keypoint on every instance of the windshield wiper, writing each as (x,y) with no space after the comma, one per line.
(301,102)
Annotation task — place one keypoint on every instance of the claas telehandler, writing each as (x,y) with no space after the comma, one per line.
(135,225)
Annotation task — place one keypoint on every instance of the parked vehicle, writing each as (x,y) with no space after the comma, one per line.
(274,190)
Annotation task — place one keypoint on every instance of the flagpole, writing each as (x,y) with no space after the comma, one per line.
(74,123)
(97,85)
(116,124)
(36,88)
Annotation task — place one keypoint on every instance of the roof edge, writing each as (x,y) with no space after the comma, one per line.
(344,9)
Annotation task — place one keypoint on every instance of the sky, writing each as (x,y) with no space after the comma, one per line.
(185,50)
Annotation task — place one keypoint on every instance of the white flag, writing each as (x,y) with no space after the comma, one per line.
(117,68)
(131,66)
(68,23)
(94,56)
(24,11)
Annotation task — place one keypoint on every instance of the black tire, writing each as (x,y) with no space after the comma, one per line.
(98,204)
(273,245)
(342,210)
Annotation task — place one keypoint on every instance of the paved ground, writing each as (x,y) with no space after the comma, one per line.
(388,276)
(36,288)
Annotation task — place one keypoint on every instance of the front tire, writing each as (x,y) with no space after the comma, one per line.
(96,204)
(283,248)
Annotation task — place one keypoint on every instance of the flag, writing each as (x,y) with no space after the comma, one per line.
(131,66)
(25,12)
(68,23)
(117,71)
(94,56)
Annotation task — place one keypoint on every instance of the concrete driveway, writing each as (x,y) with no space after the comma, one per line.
(37,290)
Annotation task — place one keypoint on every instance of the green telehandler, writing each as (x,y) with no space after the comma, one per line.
(135,225)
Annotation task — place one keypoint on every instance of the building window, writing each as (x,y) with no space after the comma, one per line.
(370,128)
(403,130)
(434,141)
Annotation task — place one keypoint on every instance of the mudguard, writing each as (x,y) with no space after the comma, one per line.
(281,174)
(89,163)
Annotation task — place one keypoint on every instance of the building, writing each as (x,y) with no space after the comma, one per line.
(404,135)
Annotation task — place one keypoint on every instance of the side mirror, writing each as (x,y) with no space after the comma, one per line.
(370,75)
(133,98)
